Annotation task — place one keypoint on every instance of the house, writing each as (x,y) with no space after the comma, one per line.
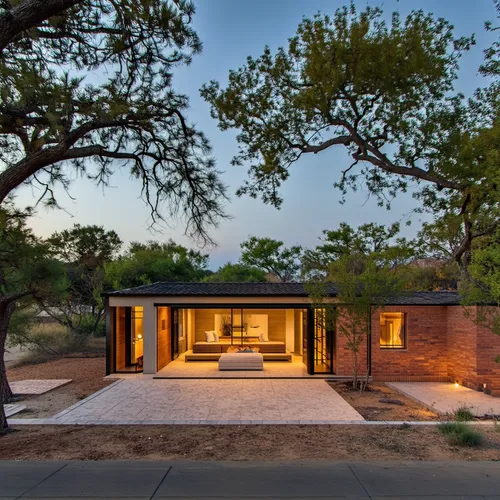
(422,336)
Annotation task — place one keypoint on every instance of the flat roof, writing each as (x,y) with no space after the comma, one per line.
(178,289)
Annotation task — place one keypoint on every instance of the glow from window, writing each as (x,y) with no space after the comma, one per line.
(392,330)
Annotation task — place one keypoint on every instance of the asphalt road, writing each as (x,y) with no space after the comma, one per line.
(143,480)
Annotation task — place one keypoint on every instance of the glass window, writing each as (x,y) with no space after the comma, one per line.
(393,330)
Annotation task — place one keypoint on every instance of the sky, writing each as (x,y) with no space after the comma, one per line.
(230,31)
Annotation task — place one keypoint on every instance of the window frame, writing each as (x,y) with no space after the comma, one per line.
(392,347)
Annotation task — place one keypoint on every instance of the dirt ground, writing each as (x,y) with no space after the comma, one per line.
(231,442)
(86,372)
(368,405)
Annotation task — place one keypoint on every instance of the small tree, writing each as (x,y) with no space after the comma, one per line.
(361,291)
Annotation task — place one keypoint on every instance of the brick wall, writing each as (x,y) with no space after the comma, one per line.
(425,358)
(343,354)
(462,347)
(472,351)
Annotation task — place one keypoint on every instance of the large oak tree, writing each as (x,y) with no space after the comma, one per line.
(384,91)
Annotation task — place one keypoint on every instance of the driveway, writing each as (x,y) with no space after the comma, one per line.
(212,401)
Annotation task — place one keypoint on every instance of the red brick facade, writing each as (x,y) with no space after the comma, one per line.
(443,344)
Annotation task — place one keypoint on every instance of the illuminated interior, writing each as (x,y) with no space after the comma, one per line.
(392,330)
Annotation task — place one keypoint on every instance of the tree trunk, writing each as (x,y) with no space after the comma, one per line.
(6,310)
(4,427)
(27,15)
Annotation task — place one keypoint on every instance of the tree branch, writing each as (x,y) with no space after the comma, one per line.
(27,15)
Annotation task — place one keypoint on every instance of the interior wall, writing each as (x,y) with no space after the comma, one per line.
(120,343)
(276,322)
(164,337)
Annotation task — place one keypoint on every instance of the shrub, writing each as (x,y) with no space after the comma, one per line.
(448,428)
(460,434)
(464,414)
(469,437)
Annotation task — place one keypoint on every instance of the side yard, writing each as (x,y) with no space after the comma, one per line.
(87,377)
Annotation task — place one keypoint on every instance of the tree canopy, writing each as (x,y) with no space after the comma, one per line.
(365,240)
(272,256)
(237,273)
(55,122)
(150,262)
(385,92)
(90,246)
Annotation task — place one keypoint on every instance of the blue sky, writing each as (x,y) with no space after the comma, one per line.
(231,30)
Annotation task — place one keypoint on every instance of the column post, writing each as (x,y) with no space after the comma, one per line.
(150,334)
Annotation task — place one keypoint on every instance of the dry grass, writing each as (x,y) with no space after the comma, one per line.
(233,442)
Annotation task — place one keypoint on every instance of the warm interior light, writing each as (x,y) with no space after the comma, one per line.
(139,336)
(456,384)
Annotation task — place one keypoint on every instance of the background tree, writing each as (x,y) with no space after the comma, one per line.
(366,239)
(150,262)
(84,250)
(348,80)
(27,270)
(237,273)
(55,124)
(271,256)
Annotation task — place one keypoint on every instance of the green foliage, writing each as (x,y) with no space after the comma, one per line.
(460,434)
(348,80)
(271,256)
(54,118)
(237,273)
(146,263)
(363,241)
(463,414)
(27,268)
(88,246)
(364,283)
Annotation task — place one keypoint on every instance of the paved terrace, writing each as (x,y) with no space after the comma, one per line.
(445,398)
(333,480)
(135,401)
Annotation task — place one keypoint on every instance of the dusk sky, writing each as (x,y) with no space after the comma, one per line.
(231,30)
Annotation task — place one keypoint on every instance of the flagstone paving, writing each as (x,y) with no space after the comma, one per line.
(211,401)
(12,409)
(37,386)
(446,398)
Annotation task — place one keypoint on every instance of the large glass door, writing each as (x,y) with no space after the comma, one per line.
(323,342)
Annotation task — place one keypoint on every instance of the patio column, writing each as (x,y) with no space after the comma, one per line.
(149,338)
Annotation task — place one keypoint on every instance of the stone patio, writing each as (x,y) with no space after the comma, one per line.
(445,398)
(31,387)
(179,368)
(136,401)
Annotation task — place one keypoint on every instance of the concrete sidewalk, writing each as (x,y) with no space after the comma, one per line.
(238,480)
